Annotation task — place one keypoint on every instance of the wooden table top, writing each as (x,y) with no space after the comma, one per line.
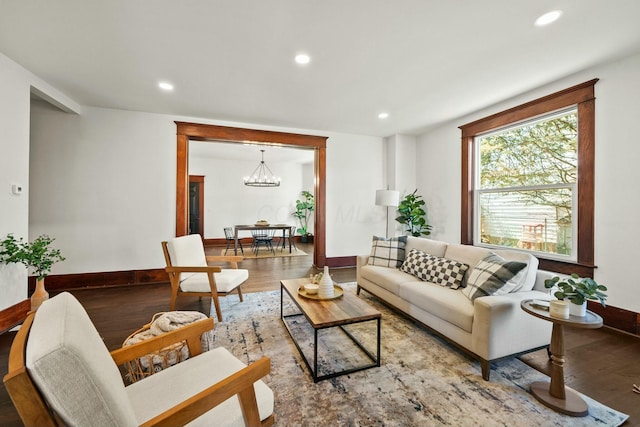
(590,321)
(327,313)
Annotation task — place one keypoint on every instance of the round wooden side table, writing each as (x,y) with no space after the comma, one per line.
(554,393)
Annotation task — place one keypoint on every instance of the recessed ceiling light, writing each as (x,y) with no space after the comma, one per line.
(383,115)
(166,86)
(303,59)
(548,18)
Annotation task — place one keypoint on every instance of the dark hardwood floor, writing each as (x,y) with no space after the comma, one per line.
(599,363)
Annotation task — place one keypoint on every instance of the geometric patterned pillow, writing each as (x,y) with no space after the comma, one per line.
(494,276)
(387,252)
(429,268)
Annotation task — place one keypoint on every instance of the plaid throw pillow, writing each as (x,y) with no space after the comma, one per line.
(387,252)
(494,276)
(429,268)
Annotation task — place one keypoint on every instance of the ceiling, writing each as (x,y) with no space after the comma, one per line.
(422,61)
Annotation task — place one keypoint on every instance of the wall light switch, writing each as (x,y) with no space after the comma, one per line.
(16,189)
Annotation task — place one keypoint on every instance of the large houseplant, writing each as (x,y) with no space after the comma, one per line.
(412,215)
(38,255)
(304,208)
(577,291)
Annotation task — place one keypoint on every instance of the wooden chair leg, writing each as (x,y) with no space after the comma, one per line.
(240,294)
(217,305)
(174,296)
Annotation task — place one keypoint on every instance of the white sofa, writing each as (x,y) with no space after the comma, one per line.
(490,327)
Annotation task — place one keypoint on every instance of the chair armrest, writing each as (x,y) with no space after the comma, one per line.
(208,269)
(190,333)
(231,259)
(501,327)
(240,383)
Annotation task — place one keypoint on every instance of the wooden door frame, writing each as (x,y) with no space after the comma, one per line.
(201,132)
(200,180)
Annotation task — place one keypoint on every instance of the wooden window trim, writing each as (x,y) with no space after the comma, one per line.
(583,96)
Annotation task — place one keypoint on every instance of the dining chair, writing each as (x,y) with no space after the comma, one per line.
(61,373)
(191,275)
(289,237)
(262,237)
(229,235)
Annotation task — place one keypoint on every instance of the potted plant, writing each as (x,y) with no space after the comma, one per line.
(577,291)
(304,208)
(412,215)
(37,255)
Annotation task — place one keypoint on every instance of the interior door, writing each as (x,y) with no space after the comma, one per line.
(196,205)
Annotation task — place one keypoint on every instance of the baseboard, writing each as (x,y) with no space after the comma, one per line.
(618,318)
(14,315)
(341,262)
(62,282)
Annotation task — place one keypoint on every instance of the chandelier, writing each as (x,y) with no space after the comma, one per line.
(262,176)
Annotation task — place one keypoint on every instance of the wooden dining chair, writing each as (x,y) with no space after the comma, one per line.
(191,275)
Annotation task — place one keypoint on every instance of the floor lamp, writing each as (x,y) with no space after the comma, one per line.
(387,198)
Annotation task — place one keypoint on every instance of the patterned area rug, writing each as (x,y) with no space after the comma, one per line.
(423,381)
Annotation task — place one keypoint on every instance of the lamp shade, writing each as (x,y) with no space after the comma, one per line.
(387,197)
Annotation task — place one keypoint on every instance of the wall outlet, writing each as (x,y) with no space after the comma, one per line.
(16,189)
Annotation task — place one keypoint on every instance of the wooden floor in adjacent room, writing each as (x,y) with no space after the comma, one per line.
(600,363)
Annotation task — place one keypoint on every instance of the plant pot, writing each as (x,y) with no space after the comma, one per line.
(578,310)
(306,238)
(39,296)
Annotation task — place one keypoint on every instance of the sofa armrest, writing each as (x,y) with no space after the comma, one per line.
(361,260)
(501,328)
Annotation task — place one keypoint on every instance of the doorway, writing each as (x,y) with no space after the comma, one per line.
(196,205)
(211,133)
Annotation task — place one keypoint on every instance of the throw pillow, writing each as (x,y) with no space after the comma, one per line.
(429,268)
(387,252)
(494,276)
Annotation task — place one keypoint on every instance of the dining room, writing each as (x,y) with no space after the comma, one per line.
(251,189)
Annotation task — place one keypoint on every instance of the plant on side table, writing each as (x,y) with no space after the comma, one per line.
(412,215)
(304,208)
(577,291)
(37,255)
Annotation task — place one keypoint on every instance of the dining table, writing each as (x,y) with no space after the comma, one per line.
(237,228)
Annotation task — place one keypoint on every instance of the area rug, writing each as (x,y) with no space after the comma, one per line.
(266,253)
(423,381)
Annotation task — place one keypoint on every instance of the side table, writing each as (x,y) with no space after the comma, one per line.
(555,394)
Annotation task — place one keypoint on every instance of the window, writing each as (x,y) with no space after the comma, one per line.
(525,185)
(528,180)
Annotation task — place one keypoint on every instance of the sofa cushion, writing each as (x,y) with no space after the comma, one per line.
(447,304)
(387,278)
(529,278)
(442,271)
(494,276)
(432,247)
(387,252)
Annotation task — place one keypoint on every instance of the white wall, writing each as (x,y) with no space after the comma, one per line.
(104,186)
(16,84)
(228,201)
(617,173)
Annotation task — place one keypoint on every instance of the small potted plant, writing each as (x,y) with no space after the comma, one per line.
(37,255)
(304,208)
(412,215)
(577,291)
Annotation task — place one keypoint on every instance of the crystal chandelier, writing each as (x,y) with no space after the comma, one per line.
(262,176)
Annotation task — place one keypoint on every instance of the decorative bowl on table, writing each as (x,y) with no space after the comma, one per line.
(311,288)
(262,223)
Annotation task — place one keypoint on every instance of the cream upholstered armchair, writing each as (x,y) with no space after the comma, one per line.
(61,373)
(190,273)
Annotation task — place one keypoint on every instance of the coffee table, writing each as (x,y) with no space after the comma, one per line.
(324,314)
(554,393)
